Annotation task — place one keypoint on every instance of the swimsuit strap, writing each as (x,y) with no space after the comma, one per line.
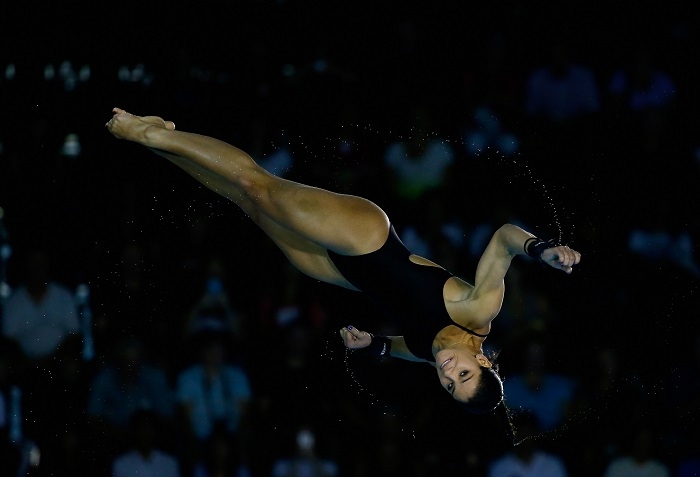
(469,331)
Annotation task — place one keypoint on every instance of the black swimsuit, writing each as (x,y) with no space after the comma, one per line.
(410,294)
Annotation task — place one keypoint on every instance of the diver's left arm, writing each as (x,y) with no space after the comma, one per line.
(507,242)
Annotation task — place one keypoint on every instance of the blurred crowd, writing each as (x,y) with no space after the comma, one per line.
(149,328)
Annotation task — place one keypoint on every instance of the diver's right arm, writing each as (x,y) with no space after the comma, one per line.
(356,339)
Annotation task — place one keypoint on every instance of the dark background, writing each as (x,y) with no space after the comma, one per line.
(219,69)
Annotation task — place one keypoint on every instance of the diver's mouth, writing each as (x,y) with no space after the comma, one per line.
(442,366)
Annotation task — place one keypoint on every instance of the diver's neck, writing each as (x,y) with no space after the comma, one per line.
(453,337)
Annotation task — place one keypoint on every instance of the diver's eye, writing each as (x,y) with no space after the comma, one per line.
(449,387)
(463,373)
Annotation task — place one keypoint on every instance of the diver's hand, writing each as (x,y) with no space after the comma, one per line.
(561,257)
(354,338)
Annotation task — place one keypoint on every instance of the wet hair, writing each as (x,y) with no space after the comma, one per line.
(488,394)
(488,399)
(505,421)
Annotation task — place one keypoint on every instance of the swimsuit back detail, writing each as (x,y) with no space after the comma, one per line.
(411,295)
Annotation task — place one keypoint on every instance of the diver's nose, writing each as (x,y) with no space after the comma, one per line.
(449,372)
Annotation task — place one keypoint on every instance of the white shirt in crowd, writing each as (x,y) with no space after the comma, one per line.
(134,464)
(39,328)
(540,465)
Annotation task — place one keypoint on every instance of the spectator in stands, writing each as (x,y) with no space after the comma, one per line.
(213,312)
(640,458)
(537,389)
(305,461)
(647,91)
(562,89)
(11,430)
(221,458)
(419,162)
(528,459)
(41,313)
(144,455)
(128,385)
(214,395)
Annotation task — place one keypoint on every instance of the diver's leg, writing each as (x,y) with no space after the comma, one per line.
(304,221)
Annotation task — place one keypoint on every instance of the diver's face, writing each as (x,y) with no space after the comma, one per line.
(459,371)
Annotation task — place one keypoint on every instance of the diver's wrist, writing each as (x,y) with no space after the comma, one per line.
(379,347)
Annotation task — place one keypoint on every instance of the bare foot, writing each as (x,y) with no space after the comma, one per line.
(124,125)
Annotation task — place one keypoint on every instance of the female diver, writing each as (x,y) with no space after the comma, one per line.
(349,241)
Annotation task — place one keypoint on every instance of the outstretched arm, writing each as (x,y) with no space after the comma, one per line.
(356,339)
(507,242)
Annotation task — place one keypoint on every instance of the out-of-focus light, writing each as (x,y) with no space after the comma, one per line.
(5,291)
(223,78)
(201,74)
(10,72)
(71,146)
(279,162)
(84,74)
(49,72)
(485,118)
(66,69)
(288,70)
(137,73)
(476,142)
(321,65)
(305,440)
(507,143)
(124,73)
(5,251)
(67,74)
(34,455)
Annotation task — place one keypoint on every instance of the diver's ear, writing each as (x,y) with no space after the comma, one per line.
(483,361)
